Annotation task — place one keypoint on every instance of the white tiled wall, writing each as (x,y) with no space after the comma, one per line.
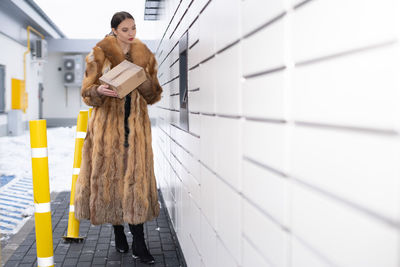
(292,157)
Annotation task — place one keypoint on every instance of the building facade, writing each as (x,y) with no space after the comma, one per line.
(290,154)
(22,21)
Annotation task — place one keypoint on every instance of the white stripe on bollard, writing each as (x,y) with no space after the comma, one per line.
(81,135)
(71,208)
(75,171)
(45,261)
(39,152)
(42,207)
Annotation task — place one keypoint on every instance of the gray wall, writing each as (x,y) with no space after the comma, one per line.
(61,103)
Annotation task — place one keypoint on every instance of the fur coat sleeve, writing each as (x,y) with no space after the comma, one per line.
(151,89)
(94,64)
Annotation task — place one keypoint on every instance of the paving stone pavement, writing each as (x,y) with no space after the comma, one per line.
(15,197)
(98,248)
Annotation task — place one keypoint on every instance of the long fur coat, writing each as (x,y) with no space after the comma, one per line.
(117,184)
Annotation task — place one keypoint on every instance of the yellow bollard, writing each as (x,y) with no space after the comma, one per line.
(41,193)
(90,112)
(73,223)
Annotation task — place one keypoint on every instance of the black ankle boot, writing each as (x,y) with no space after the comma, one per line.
(121,244)
(139,249)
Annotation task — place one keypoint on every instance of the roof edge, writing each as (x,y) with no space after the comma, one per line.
(45,17)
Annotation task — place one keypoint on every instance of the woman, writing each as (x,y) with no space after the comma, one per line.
(116,183)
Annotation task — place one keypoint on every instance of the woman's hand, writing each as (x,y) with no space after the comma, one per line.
(103,90)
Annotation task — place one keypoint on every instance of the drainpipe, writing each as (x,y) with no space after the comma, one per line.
(28,50)
(19,96)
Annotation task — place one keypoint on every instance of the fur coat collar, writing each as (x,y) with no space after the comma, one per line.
(139,52)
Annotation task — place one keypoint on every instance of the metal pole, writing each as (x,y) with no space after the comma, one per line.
(41,193)
(73,223)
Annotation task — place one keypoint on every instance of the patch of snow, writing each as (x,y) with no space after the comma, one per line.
(15,156)
(15,159)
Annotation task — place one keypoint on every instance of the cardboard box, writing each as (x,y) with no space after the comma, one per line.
(124,78)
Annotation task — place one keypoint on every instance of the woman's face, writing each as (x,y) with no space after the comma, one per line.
(126,31)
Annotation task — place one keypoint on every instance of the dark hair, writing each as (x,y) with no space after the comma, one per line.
(119,17)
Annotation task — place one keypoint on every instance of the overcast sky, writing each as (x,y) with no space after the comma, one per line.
(90,19)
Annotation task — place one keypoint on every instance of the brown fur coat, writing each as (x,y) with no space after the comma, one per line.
(117,184)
